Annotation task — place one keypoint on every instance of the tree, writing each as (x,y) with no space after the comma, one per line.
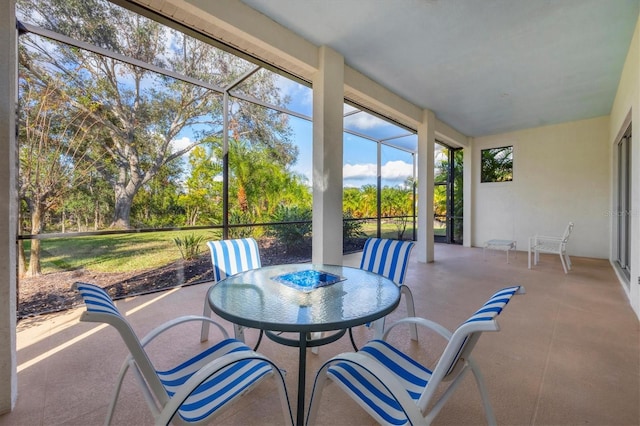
(157,203)
(397,202)
(369,198)
(351,202)
(258,183)
(140,113)
(202,199)
(52,143)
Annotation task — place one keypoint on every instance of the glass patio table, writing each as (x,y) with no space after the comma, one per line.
(303,299)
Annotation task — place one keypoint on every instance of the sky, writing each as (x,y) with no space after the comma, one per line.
(359,153)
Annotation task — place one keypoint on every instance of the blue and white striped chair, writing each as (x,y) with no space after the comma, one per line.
(395,389)
(230,257)
(194,391)
(390,258)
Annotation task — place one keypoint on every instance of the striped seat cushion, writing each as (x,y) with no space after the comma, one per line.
(371,391)
(373,394)
(215,392)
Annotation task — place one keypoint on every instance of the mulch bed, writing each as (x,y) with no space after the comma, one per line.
(52,292)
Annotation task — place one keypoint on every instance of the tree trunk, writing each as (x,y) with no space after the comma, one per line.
(36,227)
(96,216)
(121,214)
(34,259)
(124,193)
(22,260)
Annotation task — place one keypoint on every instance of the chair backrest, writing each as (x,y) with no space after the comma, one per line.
(567,232)
(464,339)
(100,308)
(386,257)
(230,257)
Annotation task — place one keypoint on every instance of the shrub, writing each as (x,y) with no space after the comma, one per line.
(189,246)
(352,228)
(292,235)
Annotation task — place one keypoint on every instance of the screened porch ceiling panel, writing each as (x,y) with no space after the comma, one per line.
(483,67)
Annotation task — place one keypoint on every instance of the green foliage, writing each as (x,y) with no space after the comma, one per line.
(189,245)
(440,197)
(397,203)
(137,114)
(292,235)
(497,164)
(239,218)
(352,228)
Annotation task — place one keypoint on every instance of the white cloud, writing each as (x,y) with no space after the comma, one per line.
(178,144)
(392,170)
(298,94)
(359,171)
(397,170)
(363,121)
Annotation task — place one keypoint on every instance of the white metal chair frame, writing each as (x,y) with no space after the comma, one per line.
(389,258)
(376,258)
(213,379)
(553,245)
(230,257)
(395,389)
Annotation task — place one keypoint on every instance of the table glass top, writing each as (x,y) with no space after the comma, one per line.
(259,299)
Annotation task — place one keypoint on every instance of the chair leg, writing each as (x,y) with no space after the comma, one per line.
(204,333)
(563,264)
(411,311)
(488,410)
(378,328)
(238,332)
(316,395)
(315,335)
(116,392)
(278,376)
(567,260)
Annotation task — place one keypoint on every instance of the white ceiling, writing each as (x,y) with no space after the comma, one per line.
(483,66)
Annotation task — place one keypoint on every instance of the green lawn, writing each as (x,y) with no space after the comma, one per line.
(115,253)
(387,230)
(139,251)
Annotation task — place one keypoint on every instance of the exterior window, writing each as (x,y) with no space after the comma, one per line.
(497,164)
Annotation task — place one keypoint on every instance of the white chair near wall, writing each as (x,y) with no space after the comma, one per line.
(553,245)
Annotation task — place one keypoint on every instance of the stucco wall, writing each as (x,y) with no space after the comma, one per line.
(561,174)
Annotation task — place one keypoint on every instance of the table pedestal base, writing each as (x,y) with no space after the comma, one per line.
(303,343)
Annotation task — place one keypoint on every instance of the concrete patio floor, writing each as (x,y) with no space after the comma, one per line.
(568,352)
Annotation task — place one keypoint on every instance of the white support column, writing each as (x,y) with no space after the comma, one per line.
(426,147)
(467,193)
(8,208)
(328,101)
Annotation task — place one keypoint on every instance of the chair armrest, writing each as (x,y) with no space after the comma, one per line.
(541,240)
(177,321)
(423,322)
(548,238)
